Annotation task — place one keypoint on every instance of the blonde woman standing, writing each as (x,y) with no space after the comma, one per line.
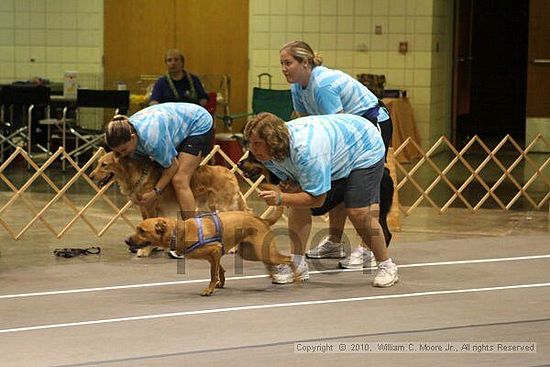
(318,90)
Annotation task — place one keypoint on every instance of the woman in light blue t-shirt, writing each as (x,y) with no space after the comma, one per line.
(175,135)
(317,90)
(324,162)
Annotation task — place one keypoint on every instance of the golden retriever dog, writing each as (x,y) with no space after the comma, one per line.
(215,188)
(209,236)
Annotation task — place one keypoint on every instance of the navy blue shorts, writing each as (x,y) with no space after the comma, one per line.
(198,145)
(360,189)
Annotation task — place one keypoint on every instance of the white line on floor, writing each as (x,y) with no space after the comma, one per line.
(246,277)
(275,305)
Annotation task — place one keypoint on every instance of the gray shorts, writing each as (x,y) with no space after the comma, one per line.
(360,189)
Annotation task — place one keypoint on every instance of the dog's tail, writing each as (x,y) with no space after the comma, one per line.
(276,212)
(274,215)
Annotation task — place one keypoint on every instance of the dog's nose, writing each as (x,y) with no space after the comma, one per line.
(128,241)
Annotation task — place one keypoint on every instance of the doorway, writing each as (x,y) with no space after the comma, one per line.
(490,69)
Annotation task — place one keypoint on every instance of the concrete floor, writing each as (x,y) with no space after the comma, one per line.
(469,279)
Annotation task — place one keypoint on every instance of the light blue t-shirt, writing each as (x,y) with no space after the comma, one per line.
(327,148)
(331,91)
(162,127)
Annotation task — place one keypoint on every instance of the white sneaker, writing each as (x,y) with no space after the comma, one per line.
(327,250)
(360,258)
(386,276)
(284,274)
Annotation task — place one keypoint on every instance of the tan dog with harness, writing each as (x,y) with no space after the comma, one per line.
(210,236)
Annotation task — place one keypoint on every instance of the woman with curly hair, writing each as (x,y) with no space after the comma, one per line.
(324,161)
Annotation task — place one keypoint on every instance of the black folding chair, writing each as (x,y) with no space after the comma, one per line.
(20,101)
(118,100)
(115,99)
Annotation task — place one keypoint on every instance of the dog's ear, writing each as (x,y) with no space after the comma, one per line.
(160,227)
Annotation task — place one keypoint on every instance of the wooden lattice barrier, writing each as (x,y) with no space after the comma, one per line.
(40,214)
(60,194)
(427,158)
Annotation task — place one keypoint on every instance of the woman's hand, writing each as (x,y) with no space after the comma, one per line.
(271,197)
(148,198)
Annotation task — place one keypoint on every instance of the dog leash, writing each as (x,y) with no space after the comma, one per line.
(72,252)
(144,172)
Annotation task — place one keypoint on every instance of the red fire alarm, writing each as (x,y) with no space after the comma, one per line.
(403,47)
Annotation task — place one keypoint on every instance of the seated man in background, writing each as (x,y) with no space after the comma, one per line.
(178,85)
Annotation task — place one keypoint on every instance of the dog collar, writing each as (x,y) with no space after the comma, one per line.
(143,174)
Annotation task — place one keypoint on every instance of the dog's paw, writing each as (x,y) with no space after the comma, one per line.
(220,284)
(144,252)
(207,292)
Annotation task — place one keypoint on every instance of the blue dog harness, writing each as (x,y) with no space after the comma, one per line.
(202,241)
